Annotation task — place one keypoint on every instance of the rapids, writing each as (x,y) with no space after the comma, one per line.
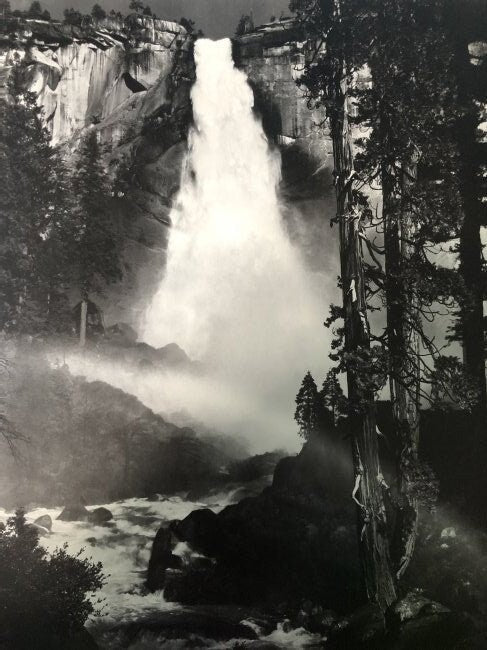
(123,547)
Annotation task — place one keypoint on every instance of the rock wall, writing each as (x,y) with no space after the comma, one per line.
(82,75)
(130,80)
(273,57)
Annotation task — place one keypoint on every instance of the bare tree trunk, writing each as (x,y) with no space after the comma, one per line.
(82,323)
(367,492)
(403,326)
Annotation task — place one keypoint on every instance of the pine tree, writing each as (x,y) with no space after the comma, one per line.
(33,211)
(98,13)
(307,407)
(332,395)
(98,243)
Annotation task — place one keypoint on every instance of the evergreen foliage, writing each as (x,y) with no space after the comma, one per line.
(307,414)
(73,17)
(98,13)
(44,598)
(332,396)
(97,236)
(34,213)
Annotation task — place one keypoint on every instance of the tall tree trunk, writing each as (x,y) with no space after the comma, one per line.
(466,24)
(82,323)
(403,326)
(372,528)
(470,249)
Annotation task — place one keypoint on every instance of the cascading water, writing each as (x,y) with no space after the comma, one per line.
(235,293)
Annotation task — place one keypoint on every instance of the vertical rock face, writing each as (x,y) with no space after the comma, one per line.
(82,75)
(273,57)
(130,80)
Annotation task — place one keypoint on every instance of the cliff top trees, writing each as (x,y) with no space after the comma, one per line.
(98,13)
(137,6)
(73,17)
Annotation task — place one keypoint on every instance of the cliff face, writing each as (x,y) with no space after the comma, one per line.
(130,80)
(273,57)
(82,75)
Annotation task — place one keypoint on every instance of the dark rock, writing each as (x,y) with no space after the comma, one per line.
(81,640)
(99,516)
(193,624)
(276,547)
(365,628)
(41,531)
(201,529)
(45,521)
(443,631)
(162,558)
(121,333)
(414,605)
(74,512)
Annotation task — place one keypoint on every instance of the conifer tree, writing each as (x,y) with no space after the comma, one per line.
(97,248)
(307,413)
(331,395)
(33,210)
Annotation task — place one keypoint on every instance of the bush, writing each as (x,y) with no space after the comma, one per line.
(44,598)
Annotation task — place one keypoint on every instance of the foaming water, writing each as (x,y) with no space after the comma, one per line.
(123,547)
(235,293)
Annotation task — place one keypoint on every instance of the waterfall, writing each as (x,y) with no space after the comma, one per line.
(235,293)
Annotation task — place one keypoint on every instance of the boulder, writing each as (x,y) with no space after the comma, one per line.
(448,631)
(41,531)
(162,558)
(414,605)
(74,512)
(99,516)
(45,521)
(365,628)
(201,529)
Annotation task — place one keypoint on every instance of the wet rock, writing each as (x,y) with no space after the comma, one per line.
(45,521)
(41,531)
(261,547)
(448,533)
(100,516)
(216,625)
(414,605)
(365,628)
(201,529)
(162,558)
(81,640)
(446,631)
(74,512)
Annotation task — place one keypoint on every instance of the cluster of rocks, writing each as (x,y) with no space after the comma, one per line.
(269,550)
(74,512)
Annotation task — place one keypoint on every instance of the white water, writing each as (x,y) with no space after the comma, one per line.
(235,293)
(124,548)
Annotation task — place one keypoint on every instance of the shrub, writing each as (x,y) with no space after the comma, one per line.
(44,598)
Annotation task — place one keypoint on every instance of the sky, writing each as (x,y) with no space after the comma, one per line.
(217,18)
